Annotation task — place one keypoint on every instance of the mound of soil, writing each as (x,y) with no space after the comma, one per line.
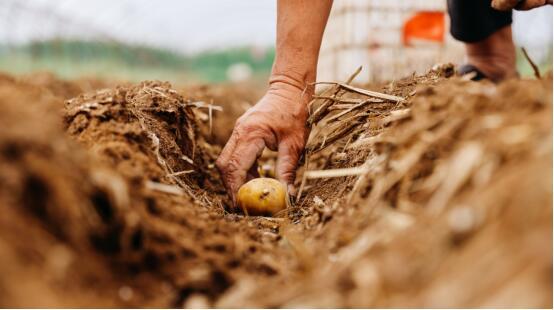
(440,198)
(112,220)
(52,205)
(443,199)
(233,99)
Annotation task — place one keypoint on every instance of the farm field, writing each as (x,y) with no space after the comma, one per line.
(427,191)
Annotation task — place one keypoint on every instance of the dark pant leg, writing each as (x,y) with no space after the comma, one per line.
(475,20)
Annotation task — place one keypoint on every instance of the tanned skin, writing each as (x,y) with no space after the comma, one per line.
(278,120)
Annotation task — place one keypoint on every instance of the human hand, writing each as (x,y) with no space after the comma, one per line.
(278,122)
(531,4)
(522,5)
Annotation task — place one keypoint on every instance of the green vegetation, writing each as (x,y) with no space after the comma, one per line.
(525,69)
(210,64)
(72,59)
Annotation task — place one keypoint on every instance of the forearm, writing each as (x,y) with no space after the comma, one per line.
(300,26)
(278,120)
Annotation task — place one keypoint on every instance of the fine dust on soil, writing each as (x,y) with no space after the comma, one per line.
(113,200)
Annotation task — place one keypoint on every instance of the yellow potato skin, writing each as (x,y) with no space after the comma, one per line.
(262,196)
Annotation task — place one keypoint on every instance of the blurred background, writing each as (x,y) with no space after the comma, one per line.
(233,40)
(393,39)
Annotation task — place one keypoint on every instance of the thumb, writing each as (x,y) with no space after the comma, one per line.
(287,161)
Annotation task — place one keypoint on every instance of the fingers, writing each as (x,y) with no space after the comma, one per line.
(531,4)
(252,172)
(236,159)
(228,150)
(287,161)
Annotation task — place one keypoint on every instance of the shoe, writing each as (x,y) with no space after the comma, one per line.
(472,72)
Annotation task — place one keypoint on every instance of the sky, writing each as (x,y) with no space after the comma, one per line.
(186,26)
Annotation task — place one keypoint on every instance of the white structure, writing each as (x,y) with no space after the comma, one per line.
(533,30)
(385,38)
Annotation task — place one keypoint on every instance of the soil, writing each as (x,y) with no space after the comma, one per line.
(110,198)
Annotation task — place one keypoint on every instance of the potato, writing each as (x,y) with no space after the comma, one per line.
(262,196)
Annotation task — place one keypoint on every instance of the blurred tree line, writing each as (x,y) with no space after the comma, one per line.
(73,58)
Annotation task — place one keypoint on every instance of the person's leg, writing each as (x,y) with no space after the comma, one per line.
(495,56)
(487,34)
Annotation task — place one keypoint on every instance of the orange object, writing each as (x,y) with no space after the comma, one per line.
(428,26)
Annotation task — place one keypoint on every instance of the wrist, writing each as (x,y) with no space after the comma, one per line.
(299,73)
(294,78)
(292,91)
(293,84)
